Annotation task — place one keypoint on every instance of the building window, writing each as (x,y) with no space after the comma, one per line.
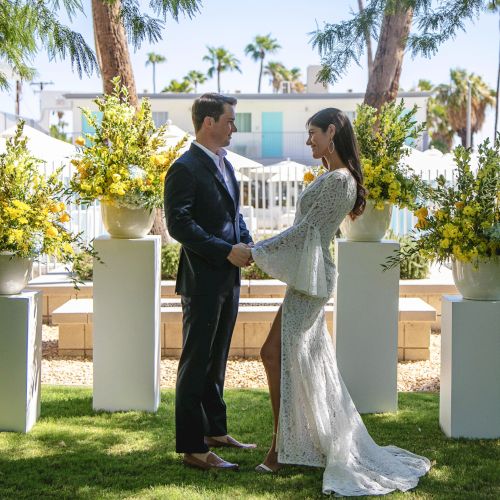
(243,122)
(160,118)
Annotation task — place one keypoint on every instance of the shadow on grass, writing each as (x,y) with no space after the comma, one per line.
(74,452)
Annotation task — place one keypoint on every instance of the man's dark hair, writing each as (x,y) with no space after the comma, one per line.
(210,104)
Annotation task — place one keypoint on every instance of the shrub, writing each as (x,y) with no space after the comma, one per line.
(415,267)
(170,254)
(83,267)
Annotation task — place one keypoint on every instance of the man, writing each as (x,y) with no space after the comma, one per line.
(202,212)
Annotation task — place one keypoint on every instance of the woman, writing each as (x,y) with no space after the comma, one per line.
(315,420)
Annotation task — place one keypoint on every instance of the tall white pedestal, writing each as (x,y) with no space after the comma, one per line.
(469,402)
(366,324)
(126,321)
(20,360)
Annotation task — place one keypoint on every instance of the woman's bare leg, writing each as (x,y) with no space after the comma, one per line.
(271,358)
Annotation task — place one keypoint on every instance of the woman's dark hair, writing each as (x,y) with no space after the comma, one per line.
(210,104)
(346,146)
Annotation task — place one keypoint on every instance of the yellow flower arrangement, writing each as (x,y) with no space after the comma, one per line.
(32,207)
(381,138)
(313,173)
(125,162)
(462,221)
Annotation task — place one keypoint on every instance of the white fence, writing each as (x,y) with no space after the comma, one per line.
(268,200)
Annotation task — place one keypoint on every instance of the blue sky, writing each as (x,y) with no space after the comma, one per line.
(233,25)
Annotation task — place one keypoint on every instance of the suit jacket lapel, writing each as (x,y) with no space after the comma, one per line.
(208,163)
(232,179)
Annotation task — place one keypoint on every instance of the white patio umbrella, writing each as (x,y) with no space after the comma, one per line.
(287,171)
(53,151)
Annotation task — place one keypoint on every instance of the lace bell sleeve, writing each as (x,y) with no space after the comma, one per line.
(295,256)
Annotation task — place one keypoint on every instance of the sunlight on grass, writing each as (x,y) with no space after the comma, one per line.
(74,452)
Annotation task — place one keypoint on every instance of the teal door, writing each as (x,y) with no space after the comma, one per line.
(87,128)
(272,135)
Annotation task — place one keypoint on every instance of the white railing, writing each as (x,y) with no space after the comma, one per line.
(268,200)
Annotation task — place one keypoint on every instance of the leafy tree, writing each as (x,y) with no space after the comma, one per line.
(179,87)
(391,21)
(57,130)
(221,60)
(454,99)
(262,45)
(154,59)
(275,70)
(28,25)
(279,74)
(195,77)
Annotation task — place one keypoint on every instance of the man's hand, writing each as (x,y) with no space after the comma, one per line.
(240,255)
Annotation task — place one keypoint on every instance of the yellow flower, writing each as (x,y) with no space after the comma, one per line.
(68,248)
(52,232)
(440,214)
(375,192)
(468,210)
(80,141)
(379,205)
(308,177)
(422,213)
(116,177)
(459,205)
(64,217)
(445,243)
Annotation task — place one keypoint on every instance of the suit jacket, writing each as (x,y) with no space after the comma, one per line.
(204,218)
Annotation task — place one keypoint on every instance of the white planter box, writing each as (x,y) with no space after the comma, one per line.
(20,360)
(469,404)
(366,324)
(126,319)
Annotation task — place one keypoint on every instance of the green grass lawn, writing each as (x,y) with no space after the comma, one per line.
(75,453)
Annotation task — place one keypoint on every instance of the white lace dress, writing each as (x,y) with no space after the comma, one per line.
(318,423)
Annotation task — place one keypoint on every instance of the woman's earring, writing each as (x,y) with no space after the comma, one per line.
(331,147)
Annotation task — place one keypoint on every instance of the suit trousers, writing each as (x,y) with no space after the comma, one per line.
(200,410)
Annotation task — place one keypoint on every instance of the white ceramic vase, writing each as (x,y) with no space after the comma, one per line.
(478,283)
(14,273)
(370,226)
(127,223)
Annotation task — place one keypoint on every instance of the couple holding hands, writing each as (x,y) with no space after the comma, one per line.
(315,420)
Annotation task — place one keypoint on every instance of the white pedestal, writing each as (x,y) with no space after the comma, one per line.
(20,360)
(126,321)
(366,324)
(469,403)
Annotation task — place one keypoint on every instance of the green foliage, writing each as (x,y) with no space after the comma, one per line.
(170,255)
(415,267)
(434,23)
(381,137)
(461,221)
(27,25)
(125,160)
(179,87)
(254,272)
(83,267)
(75,452)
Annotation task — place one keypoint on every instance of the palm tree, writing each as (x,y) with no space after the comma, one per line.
(195,77)
(154,59)
(454,98)
(438,125)
(293,75)
(276,72)
(179,87)
(221,60)
(263,44)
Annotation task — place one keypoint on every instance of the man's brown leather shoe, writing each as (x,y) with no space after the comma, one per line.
(213,462)
(230,443)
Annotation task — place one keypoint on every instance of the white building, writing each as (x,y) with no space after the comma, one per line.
(271,127)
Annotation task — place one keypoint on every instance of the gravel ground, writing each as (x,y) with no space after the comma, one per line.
(241,373)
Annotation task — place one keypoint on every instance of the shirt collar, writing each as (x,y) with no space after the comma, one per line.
(221,152)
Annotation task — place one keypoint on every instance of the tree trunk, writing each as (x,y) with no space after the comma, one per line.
(368,41)
(218,81)
(112,47)
(498,86)
(114,60)
(260,73)
(383,84)
(159,227)
(18,97)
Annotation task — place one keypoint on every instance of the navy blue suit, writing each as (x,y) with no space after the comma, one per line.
(202,215)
